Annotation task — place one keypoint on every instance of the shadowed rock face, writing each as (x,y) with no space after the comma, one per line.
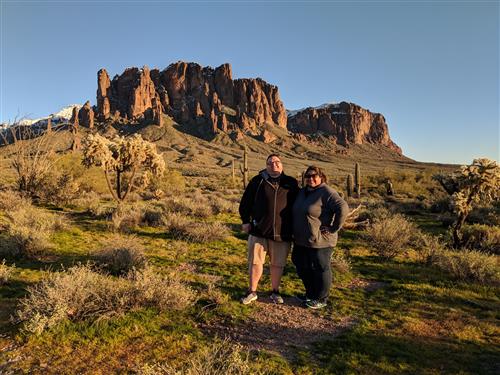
(348,123)
(206,98)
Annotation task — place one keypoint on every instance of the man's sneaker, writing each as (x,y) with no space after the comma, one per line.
(315,304)
(276,298)
(249,298)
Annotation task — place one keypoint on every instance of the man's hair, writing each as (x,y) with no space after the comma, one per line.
(319,171)
(273,155)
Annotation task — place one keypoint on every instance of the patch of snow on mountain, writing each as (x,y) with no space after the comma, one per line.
(293,112)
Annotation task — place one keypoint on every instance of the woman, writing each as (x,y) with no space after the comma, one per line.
(318,214)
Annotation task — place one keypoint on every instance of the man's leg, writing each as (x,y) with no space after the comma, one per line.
(278,252)
(256,259)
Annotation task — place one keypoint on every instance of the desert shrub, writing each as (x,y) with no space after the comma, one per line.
(80,293)
(153,216)
(482,238)
(187,206)
(91,203)
(171,181)
(487,215)
(126,217)
(121,254)
(162,291)
(441,205)
(5,272)
(10,199)
(221,357)
(470,265)
(29,230)
(390,236)
(181,227)
(427,247)
(340,263)
(59,188)
(221,205)
(374,212)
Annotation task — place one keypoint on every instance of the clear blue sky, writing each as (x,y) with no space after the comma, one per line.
(430,67)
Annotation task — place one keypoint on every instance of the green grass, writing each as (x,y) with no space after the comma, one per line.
(421,321)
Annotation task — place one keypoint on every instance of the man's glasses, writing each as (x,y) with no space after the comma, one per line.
(277,162)
(312,175)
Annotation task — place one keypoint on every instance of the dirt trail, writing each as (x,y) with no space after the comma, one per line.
(281,328)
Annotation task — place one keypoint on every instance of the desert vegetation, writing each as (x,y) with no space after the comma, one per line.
(129,264)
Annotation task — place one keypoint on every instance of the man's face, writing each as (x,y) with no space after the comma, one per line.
(274,166)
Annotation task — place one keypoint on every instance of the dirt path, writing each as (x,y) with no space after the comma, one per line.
(281,328)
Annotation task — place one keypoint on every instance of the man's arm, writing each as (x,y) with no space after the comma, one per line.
(247,202)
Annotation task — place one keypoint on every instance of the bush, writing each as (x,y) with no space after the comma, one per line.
(340,263)
(29,229)
(187,206)
(153,216)
(221,357)
(125,218)
(470,265)
(80,294)
(91,203)
(121,254)
(183,228)
(428,247)
(391,235)
(10,200)
(59,188)
(5,272)
(482,238)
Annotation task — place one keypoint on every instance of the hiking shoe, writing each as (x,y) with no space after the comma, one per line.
(315,304)
(249,298)
(276,298)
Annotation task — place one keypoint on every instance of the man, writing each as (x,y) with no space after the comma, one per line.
(266,214)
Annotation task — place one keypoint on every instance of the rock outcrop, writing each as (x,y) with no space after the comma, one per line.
(347,123)
(202,97)
(86,115)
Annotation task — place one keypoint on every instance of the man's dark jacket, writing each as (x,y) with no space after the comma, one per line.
(267,206)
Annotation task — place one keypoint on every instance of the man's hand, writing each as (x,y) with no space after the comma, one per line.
(246,227)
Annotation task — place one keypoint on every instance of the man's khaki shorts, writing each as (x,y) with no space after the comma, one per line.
(258,247)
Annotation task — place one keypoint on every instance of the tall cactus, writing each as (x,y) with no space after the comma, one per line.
(357,180)
(233,177)
(349,185)
(244,168)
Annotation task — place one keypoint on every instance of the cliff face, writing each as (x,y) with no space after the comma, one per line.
(348,123)
(209,101)
(198,96)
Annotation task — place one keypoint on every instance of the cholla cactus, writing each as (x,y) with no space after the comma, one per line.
(122,157)
(471,185)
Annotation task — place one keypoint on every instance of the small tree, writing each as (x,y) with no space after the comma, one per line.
(469,186)
(121,159)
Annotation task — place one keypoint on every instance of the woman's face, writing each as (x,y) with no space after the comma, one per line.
(312,178)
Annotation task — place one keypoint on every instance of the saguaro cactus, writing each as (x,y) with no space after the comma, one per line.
(349,185)
(244,167)
(357,180)
(232,172)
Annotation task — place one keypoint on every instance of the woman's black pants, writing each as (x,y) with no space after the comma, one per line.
(314,269)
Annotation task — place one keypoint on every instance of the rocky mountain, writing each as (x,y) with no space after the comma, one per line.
(209,101)
(202,97)
(347,123)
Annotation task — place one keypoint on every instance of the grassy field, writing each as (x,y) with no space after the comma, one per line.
(404,317)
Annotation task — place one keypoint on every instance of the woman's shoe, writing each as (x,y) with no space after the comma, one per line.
(315,304)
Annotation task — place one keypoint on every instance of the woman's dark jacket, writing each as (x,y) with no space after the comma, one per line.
(267,206)
(318,214)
